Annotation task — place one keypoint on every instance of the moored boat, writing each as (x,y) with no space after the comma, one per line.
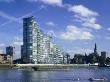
(93,79)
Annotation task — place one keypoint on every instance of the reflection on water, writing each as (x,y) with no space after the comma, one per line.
(73,75)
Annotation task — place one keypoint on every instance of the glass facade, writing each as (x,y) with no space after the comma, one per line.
(37,47)
(9,50)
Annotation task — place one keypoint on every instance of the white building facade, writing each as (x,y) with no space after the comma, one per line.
(37,46)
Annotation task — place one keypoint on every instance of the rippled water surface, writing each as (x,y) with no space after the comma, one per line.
(55,76)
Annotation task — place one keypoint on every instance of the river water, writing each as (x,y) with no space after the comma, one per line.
(70,75)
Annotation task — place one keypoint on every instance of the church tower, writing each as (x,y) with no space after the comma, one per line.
(95,49)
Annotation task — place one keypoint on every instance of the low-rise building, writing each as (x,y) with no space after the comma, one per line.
(3,58)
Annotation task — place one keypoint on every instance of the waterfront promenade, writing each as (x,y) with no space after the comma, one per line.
(42,66)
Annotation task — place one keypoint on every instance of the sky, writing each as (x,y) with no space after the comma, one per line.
(76,25)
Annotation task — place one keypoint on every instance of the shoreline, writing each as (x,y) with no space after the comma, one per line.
(44,67)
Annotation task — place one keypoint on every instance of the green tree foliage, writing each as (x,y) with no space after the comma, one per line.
(108,61)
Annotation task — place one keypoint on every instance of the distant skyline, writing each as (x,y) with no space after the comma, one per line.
(76,25)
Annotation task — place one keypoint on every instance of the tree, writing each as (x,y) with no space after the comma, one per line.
(107,60)
(93,58)
(79,59)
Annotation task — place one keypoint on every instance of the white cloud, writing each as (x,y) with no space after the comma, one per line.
(18,41)
(5,23)
(78,50)
(4,15)
(92,25)
(11,18)
(32,0)
(1,51)
(51,33)
(17,44)
(53,2)
(8,1)
(82,10)
(83,50)
(85,16)
(50,23)
(107,38)
(43,7)
(2,45)
(49,2)
(18,38)
(108,29)
(75,33)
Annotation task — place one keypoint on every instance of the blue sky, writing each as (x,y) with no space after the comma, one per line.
(74,24)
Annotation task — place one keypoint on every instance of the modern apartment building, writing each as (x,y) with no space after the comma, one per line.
(29,48)
(10,50)
(37,46)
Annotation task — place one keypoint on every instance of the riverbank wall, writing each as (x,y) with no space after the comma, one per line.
(41,67)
